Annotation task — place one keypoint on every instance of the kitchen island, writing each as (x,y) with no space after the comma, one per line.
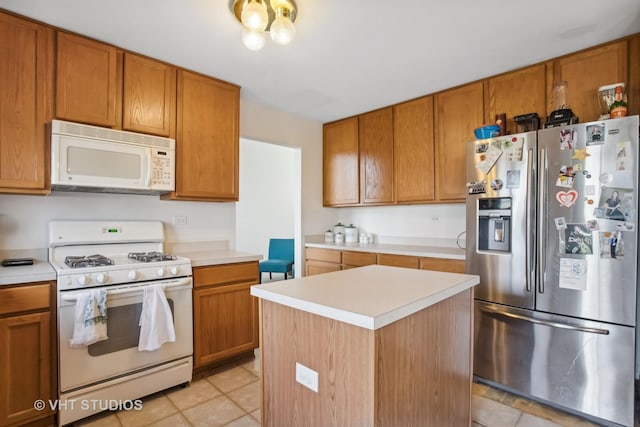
(370,346)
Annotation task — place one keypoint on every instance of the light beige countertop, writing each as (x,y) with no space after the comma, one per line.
(395,249)
(207,253)
(370,297)
(40,271)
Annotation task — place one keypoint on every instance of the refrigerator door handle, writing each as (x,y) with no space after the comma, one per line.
(529,252)
(546,322)
(542,208)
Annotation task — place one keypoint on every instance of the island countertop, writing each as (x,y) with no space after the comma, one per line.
(370,297)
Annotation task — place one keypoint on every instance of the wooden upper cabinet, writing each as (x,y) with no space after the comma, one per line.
(207,139)
(376,156)
(457,113)
(340,167)
(585,72)
(519,92)
(633,88)
(86,81)
(26,96)
(149,96)
(413,151)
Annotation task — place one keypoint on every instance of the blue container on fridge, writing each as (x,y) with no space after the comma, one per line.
(488,131)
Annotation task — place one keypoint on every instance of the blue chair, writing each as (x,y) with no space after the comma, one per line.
(280,258)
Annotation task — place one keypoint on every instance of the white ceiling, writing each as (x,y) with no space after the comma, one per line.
(349,56)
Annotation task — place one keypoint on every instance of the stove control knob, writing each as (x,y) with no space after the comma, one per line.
(101,278)
(174,271)
(133,275)
(160,272)
(84,280)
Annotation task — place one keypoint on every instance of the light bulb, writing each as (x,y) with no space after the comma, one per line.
(282,29)
(253,40)
(254,15)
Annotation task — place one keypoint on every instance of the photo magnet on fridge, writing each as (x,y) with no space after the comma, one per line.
(566,177)
(623,160)
(578,239)
(611,245)
(616,204)
(561,223)
(567,139)
(595,134)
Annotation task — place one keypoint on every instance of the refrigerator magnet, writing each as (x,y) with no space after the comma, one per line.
(611,245)
(561,223)
(623,160)
(592,224)
(567,198)
(626,226)
(513,179)
(578,240)
(606,178)
(488,159)
(589,190)
(580,154)
(595,134)
(512,148)
(573,274)
(566,177)
(615,203)
(567,139)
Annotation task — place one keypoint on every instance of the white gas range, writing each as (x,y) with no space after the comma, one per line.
(123,258)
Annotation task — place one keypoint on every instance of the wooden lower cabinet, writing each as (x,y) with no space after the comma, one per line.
(27,354)
(225,314)
(319,261)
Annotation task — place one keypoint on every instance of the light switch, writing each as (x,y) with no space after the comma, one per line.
(307,377)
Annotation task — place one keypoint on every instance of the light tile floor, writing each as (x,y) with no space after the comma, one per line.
(231,398)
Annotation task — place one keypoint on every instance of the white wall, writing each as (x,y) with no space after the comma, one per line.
(267,190)
(24,219)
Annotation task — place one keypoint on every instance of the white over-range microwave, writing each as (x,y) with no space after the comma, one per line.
(95,159)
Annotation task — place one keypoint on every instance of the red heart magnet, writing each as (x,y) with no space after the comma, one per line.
(567,198)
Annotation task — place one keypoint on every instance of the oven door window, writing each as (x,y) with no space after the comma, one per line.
(121,334)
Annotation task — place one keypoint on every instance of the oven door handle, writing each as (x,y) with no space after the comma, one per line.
(130,289)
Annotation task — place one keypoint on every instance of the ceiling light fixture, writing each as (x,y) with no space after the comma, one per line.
(261,16)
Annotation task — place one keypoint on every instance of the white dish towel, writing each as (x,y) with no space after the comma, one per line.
(90,320)
(156,321)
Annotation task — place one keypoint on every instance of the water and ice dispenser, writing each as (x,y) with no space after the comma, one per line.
(494,224)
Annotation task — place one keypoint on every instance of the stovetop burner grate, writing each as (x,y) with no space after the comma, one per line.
(151,256)
(87,261)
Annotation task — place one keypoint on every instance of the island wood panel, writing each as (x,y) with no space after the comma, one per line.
(343,355)
(340,163)
(585,72)
(376,156)
(26,103)
(413,151)
(382,378)
(393,260)
(457,113)
(86,80)
(515,93)
(442,264)
(417,386)
(149,96)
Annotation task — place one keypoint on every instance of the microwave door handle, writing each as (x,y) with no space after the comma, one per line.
(147,166)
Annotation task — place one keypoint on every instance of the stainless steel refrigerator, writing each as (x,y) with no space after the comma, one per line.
(552,231)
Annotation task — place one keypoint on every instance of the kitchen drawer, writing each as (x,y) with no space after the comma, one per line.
(24,298)
(328,255)
(320,267)
(358,259)
(442,264)
(226,273)
(399,260)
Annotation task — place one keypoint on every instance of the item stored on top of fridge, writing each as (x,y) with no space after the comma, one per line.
(561,114)
(501,120)
(487,131)
(527,122)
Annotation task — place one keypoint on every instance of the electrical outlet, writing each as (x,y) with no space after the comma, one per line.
(435,218)
(180,220)
(307,377)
